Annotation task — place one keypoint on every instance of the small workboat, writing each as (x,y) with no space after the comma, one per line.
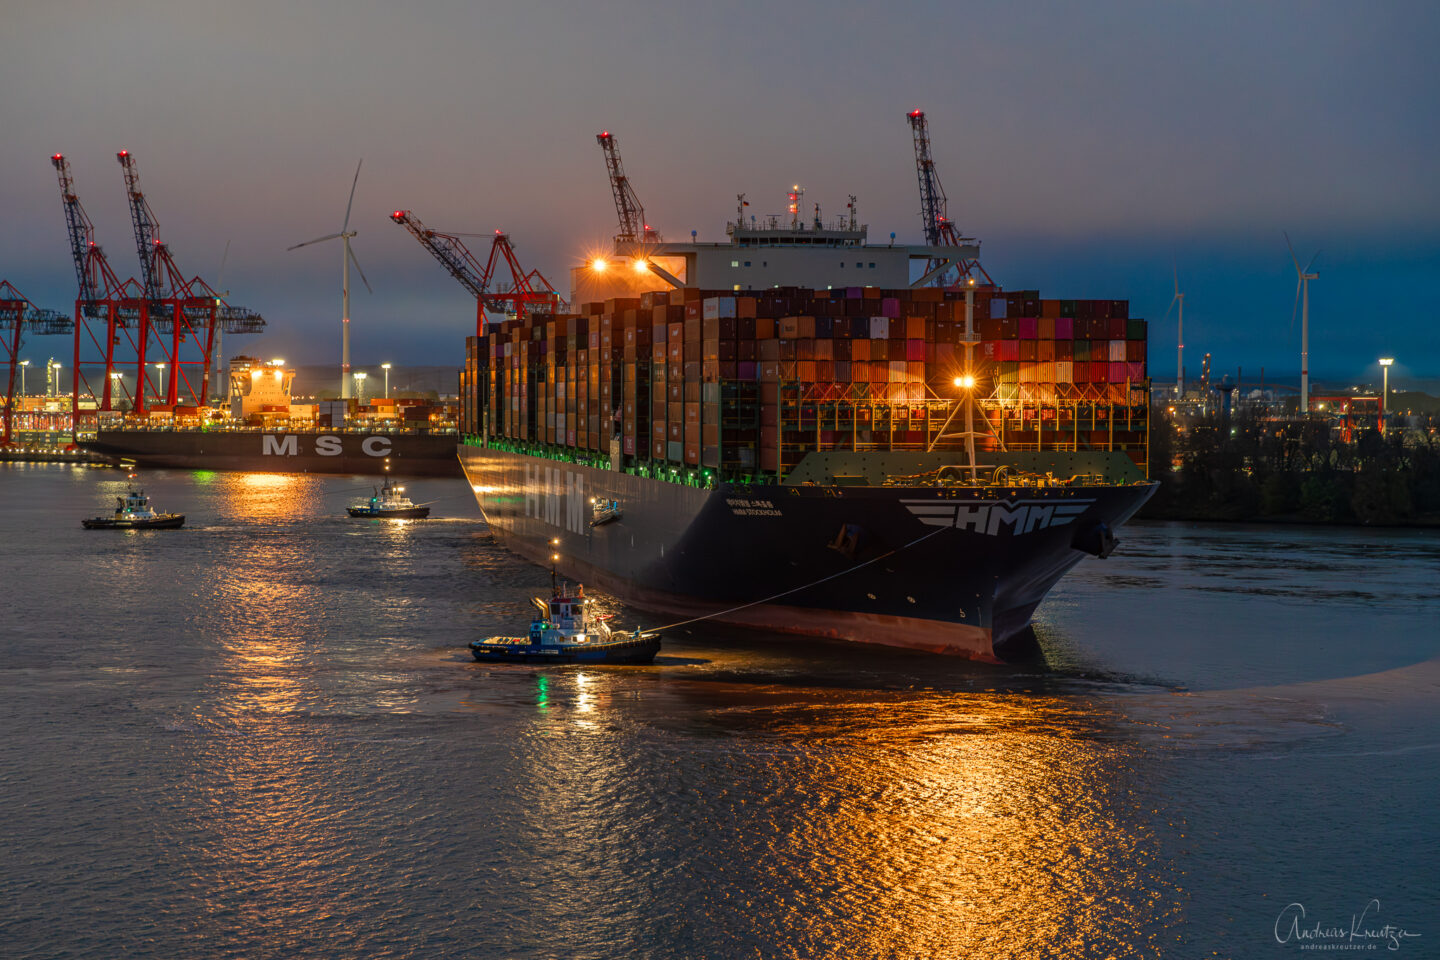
(566,633)
(389,503)
(604,511)
(133,512)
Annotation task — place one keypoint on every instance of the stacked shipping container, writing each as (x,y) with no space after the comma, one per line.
(749,384)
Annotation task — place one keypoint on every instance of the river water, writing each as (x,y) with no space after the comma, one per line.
(262,736)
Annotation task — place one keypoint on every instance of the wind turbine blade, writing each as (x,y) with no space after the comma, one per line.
(351,202)
(1296,307)
(1291,248)
(220,279)
(1173,300)
(357,268)
(316,240)
(1175,268)
(1312,261)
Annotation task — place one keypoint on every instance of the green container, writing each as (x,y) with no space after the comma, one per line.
(1135,330)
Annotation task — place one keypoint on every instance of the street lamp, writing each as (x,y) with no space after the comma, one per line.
(386,368)
(159,377)
(1385,363)
(55,366)
(359,376)
(23,365)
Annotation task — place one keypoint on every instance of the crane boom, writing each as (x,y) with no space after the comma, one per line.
(91,268)
(451,251)
(934,205)
(528,292)
(146,227)
(933,202)
(628,209)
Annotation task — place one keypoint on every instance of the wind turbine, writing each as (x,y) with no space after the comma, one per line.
(347,258)
(1302,295)
(1180,354)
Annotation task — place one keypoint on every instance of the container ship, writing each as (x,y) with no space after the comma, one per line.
(788,434)
(265,431)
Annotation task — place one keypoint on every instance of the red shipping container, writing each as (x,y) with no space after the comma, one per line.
(1135,371)
(1029,328)
(1045,351)
(1115,328)
(1047,326)
(1117,372)
(1135,351)
(1008,351)
(915,350)
(1064,328)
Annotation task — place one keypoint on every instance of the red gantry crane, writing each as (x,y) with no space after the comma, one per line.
(527,293)
(107,309)
(19,316)
(939,230)
(187,316)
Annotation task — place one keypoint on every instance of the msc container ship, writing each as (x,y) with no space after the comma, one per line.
(846,455)
(267,432)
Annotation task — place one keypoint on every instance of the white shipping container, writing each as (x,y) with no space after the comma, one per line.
(879,328)
(1117,351)
(997,308)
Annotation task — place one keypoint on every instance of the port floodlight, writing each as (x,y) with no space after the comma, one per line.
(641,266)
(598,265)
(965,382)
(1386,361)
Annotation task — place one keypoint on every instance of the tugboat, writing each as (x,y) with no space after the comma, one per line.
(133,512)
(565,633)
(389,503)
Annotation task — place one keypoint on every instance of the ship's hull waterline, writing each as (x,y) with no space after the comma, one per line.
(946,569)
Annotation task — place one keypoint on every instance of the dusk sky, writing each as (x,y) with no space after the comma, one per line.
(1089,146)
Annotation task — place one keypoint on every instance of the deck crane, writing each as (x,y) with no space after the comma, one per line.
(103,300)
(180,308)
(19,316)
(527,293)
(631,213)
(939,230)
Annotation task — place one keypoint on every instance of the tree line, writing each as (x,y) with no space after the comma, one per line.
(1250,467)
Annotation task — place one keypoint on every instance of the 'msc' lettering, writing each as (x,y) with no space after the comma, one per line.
(273,446)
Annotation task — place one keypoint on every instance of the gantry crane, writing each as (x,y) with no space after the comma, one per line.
(188,311)
(939,230)
(19,316)
(105,305)
(528,293)
(630,212)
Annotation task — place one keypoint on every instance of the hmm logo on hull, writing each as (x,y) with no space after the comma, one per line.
(556,496)
(326,445)
(992,517)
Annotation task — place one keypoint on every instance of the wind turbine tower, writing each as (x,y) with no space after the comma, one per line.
(347,257)
(1179,300)
(1302,298)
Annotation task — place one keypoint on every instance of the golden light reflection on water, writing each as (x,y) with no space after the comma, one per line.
(268,496)
(944,825)
(994,826)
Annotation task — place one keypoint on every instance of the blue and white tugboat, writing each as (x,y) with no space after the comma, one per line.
(389,503)
(133,512)
(566,633)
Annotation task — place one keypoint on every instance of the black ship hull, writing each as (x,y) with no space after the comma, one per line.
(277,451)
(166,521)
(946,569)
